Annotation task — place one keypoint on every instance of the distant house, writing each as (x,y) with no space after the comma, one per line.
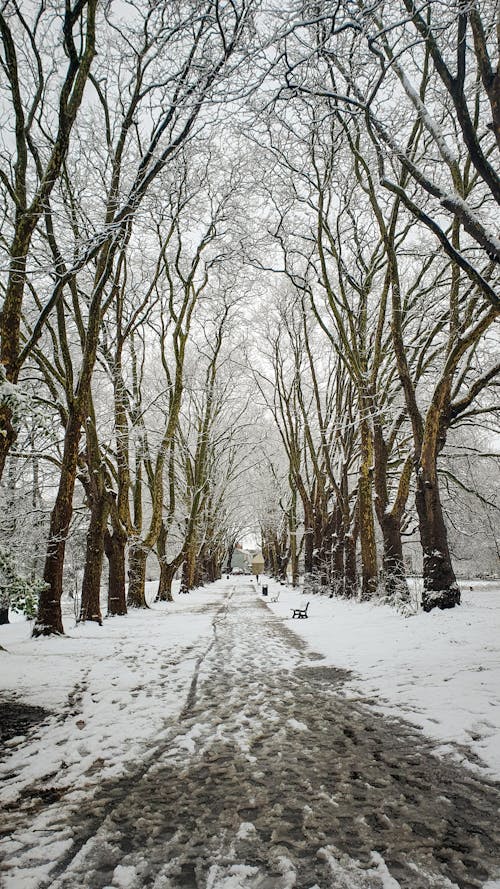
(241,558)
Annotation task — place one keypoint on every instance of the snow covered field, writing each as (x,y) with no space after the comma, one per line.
(117,683)
(440,671)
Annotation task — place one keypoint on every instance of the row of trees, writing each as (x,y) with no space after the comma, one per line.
(163,170)
(384,146)
(115,228)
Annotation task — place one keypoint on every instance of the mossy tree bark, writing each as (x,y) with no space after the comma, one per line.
(114,545)
(49,616)
(167,574)
(137,559)
(189,566)
(90,608)
(94,478)
(390,517)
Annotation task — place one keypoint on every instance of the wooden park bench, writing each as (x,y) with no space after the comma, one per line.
(300,612)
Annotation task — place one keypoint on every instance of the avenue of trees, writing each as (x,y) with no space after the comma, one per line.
(249,285)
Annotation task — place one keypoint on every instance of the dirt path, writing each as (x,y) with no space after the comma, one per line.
(273,779)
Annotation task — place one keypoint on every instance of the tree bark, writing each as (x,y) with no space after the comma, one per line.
(114,545)
(188,567)
(350,569)
(137,558)
(308,549)
(49,617)
(390,519)
(365,512)
(91,585)
(8,434)
(230,551)
(167,573)
(392,560)
(167,569)
(211,567)
(292,530)
(337,580)
(440,584)
(191,566)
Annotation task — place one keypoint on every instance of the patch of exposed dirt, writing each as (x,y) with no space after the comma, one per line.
(17,719)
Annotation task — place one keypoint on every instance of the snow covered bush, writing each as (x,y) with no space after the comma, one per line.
(17,592)
(402,597)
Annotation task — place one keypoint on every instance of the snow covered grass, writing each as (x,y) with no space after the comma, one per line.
(115,685)
(441,671)
(112,687)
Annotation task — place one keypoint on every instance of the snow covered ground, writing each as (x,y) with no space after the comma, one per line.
(440,671)
(117,683)
(110,690)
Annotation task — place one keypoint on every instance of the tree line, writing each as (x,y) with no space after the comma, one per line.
(181,180)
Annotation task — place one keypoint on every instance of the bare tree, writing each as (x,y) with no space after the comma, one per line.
(44,106)
(177,61)
(367,62)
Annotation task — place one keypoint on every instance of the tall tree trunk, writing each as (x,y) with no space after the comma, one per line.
(211,568)
(114,545)
(393,562)
(266,553)
(326,550)
(365,513)
(167,570)
(319,548)
(440,584)
(90,608)
(184,587)
(189,566)
(337,581)
(167,573)
(49,617)
(389,519)
(230,551)
(350,570)
(199,574)
(283,563)
(292,530)
(137,558)
(308,549)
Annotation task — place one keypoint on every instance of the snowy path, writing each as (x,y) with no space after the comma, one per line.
(270,779)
